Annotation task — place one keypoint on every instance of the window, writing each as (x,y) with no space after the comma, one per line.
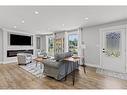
(73,43)
(50,43)
(113,44)
(38,43)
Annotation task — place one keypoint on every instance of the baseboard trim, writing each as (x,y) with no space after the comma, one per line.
(8,62)
(91,65)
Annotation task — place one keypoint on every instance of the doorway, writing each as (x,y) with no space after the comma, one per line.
(112,49)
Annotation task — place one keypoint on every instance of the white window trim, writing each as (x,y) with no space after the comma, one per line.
(79,41)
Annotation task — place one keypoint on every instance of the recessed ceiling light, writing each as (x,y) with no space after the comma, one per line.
(86,18)
(48,28)
(23,21)
(36,12)
(63,25)
(15,26)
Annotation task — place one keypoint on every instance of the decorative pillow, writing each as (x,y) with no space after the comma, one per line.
(59,57)
(68,54)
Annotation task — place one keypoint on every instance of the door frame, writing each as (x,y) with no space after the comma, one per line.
(101,43)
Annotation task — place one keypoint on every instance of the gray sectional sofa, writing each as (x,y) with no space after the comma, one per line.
(57,67)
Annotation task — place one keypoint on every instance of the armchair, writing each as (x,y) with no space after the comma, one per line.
(24,58)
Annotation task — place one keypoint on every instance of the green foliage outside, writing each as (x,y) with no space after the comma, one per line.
(73,46)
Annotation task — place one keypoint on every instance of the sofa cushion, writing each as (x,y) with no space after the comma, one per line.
(61,56)
(68,54)
(52,63)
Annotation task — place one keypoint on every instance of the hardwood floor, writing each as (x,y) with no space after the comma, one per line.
(13,77)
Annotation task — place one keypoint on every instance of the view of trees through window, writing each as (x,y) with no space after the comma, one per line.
(73,43)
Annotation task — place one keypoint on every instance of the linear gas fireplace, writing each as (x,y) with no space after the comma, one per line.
(13,53)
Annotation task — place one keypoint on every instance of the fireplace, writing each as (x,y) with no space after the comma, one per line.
(13,53)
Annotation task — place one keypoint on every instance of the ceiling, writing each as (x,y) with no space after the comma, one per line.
(57,18)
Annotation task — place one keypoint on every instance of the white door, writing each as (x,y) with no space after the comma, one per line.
(112,50)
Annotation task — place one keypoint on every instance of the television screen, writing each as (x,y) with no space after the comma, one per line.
(20,39)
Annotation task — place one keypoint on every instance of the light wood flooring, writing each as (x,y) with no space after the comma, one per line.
(13,77)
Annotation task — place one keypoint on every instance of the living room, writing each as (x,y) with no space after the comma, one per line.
(63,47)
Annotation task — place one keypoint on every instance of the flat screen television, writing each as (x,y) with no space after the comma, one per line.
(20,39)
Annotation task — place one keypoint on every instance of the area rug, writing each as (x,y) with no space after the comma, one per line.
(33,69)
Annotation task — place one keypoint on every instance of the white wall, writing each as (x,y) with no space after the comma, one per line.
(6,46)
(42,42)
(90,35)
